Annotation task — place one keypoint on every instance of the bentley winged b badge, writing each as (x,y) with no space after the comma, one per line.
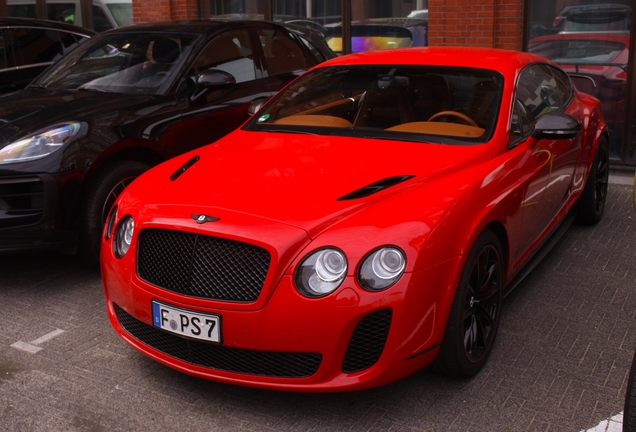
(200,218)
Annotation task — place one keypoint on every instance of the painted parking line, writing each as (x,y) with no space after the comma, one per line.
(33,346)
(613,424)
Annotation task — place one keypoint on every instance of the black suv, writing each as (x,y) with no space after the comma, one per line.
(124,101)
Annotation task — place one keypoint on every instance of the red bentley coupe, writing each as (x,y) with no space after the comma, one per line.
(365,223)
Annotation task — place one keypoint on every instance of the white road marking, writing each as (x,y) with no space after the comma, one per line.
(32,347)
(613,424)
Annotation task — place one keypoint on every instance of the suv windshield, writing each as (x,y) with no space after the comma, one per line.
(120,63)
(412,103)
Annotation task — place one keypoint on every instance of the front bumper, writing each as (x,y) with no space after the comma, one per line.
(295,343)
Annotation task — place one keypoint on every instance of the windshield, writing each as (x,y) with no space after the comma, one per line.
(412,103)
(122,12)
(579,51)
(129,63)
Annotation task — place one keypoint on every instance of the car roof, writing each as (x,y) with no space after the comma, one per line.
(196,26)
(56,25)
(504,61)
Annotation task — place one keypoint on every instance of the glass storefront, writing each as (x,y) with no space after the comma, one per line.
(590,40)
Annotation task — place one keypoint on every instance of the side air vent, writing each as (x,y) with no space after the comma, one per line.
(375,187)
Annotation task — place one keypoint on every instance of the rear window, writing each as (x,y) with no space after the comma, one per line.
(598,21)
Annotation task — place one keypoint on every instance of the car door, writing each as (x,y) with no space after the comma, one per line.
(217,113)
(550,164)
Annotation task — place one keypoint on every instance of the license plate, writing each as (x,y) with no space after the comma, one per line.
(186,323)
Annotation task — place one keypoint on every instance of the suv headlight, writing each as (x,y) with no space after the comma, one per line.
(39,145)
(381,268)
(321,272)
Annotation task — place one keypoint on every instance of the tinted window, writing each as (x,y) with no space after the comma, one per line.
(232,53)
(31,45)
(579,51)
(3,51)
(540,90)
(282,53)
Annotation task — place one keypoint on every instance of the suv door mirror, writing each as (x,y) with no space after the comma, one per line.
(215,80)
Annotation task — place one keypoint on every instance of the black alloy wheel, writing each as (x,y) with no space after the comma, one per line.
(591,204)
(482,304)
(474,316)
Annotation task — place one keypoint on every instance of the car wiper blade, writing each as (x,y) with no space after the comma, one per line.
(93,89)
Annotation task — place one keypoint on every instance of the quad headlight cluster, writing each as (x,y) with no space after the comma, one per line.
(324,270)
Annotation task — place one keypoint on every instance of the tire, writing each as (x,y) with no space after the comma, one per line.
(629,414)
(474,317)
(592,202)
(99,197)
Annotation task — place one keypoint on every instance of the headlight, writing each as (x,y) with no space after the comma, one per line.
(381,268)
(123,236)
(321,272)
(110,223)
(39,145)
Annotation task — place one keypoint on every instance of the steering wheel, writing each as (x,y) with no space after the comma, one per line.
(455,114)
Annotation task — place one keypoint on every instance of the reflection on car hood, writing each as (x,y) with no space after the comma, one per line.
(298,179)
(30,110)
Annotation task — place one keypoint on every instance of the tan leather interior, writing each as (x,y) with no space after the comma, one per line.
(440,128)
(314,120)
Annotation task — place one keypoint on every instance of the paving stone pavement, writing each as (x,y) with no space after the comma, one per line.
(560,362)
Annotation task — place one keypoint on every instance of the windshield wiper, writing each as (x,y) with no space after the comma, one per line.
(93,89)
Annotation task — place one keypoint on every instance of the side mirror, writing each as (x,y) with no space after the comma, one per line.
(215,80)
(556,126)
(210,81)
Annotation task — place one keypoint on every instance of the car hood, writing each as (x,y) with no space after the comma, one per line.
(304,180)
(31,110)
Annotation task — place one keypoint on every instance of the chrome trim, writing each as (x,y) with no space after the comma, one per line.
(576,75)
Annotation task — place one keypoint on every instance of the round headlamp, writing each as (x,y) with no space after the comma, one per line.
(123,236)
(381,268)
(321,272)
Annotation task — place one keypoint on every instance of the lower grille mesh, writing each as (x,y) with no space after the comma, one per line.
(367,341)
(262,363)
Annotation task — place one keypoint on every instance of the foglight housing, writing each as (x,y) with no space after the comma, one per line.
(321,273)
(39,145)
(123,236)
(381,268)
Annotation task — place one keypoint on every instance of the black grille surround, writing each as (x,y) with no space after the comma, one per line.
(250,362)
(367,341)
(202,266)
(22,201)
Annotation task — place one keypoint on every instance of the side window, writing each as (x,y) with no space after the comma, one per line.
(563,85)
(100,21)
(522,122)
(282,53)
(70,41)
(317,55)
(32,46)
(232,53)
(538,90)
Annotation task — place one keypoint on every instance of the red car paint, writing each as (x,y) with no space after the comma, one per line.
(280,191)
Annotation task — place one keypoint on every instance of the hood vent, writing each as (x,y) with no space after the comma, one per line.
(375,187)
(175,175)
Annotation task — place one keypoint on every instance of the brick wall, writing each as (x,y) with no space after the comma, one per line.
(161,10)
(484,23)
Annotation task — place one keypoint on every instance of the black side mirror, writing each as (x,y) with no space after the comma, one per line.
(556,126)
(211,81)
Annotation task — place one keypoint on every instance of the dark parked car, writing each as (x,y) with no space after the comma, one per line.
(28,46)
(123,102)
